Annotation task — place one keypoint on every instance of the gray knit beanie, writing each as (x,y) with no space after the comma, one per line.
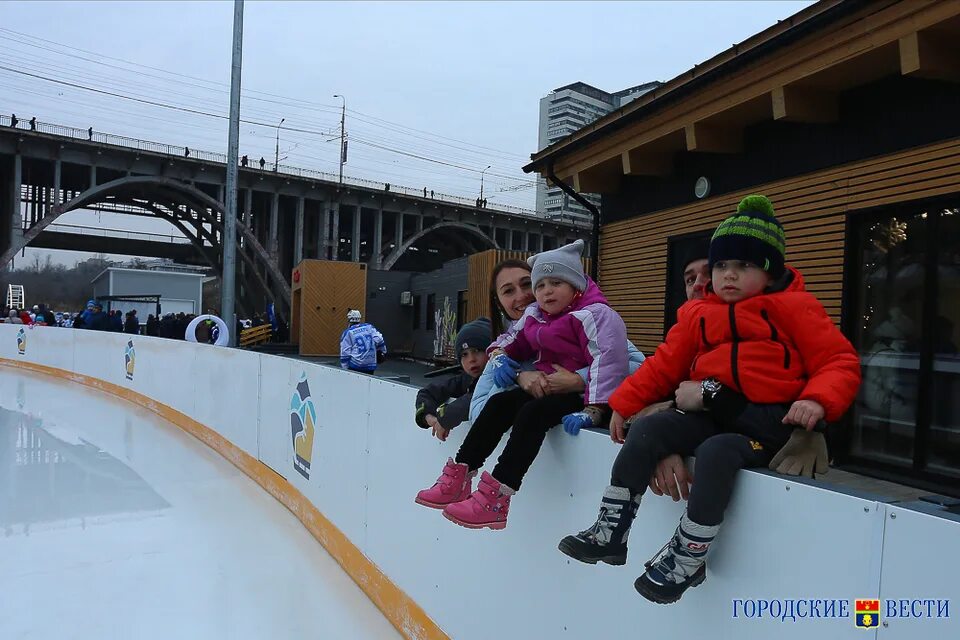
(562,263)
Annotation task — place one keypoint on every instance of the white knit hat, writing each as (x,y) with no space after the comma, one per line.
(562,263)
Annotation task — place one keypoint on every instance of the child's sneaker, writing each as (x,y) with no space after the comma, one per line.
(488,506)
(454,484)
(679,565)
(606,540)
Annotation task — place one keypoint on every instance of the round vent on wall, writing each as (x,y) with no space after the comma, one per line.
(702,188)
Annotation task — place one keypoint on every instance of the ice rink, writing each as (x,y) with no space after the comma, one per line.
(116,524)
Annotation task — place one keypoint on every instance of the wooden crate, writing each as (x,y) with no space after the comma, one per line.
(322,291)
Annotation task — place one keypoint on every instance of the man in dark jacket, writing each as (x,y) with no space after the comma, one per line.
(98,319)
(152,325)
(435,410)
(132,323)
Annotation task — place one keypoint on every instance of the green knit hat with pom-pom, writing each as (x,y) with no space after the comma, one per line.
(752,234)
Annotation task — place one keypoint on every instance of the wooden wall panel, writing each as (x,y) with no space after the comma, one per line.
(813,209)
(479,269)
(328,290)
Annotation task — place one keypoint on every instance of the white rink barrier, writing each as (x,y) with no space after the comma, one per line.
(782,539)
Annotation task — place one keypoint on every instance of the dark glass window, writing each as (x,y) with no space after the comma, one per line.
(431,311)
(461,308)
(416,312)
(679,251)
(904,320)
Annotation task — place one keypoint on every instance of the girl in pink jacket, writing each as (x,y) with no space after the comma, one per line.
(570,325)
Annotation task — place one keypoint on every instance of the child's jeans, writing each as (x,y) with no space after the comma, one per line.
(752,441)
(530,418)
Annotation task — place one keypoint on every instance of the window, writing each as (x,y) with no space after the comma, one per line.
(431,311)
(461,308)
(680,250)
(416,312)
(904,316)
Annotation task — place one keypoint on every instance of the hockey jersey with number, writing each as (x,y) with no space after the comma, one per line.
(359,344)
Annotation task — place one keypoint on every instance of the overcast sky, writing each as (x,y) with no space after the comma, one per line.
(456,83)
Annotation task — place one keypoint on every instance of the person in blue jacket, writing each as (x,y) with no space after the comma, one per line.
(360,344)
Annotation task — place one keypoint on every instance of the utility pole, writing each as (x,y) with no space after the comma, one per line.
(229,274)
(343,138)
(481,180)
(276,158)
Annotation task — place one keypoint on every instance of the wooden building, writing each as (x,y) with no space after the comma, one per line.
(847,115)
(322,292)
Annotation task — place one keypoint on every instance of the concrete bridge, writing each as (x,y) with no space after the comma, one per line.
(285,213)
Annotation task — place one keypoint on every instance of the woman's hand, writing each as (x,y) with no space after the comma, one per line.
(563,381)
(534,383)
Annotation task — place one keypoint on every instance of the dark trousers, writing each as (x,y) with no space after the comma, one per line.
(750,441)
(530,418)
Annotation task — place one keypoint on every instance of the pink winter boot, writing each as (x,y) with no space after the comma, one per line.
(454,484)
(486,507)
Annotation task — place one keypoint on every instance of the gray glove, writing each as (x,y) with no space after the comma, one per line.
(804,453)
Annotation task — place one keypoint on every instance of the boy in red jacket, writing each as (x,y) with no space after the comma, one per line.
(768,359)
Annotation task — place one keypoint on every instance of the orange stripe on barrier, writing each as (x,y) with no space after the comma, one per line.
(407,616)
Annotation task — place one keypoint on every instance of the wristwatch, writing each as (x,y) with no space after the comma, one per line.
(709,389)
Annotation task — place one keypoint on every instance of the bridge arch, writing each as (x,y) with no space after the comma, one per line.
(177,202)
(462,233)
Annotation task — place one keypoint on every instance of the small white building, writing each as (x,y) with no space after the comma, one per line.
(178,291)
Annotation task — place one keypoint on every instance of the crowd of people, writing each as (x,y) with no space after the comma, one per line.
(747,377)
(95,318)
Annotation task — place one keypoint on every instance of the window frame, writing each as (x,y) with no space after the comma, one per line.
(841,439)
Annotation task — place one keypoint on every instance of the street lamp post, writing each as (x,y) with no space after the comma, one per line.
(229,273)
(276,157)
(343,139)
(481,180)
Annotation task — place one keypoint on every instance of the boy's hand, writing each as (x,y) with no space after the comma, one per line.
(438,431)
(805,413)
(617,432)
(689,396)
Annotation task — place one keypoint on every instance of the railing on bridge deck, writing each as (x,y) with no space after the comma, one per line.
(89,135)
(120,234)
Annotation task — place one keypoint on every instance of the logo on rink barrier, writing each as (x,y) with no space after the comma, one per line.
(129,359)
(303,420)
(868,613)
(21,341)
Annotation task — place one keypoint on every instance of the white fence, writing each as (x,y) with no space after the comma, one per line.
(782,539)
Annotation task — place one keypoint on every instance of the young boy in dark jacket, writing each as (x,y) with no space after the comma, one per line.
(767,358)
(433,409)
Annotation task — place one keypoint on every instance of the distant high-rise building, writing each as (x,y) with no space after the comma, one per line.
(563,112)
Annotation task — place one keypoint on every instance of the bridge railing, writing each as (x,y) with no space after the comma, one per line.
(100,137)
(117,233)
